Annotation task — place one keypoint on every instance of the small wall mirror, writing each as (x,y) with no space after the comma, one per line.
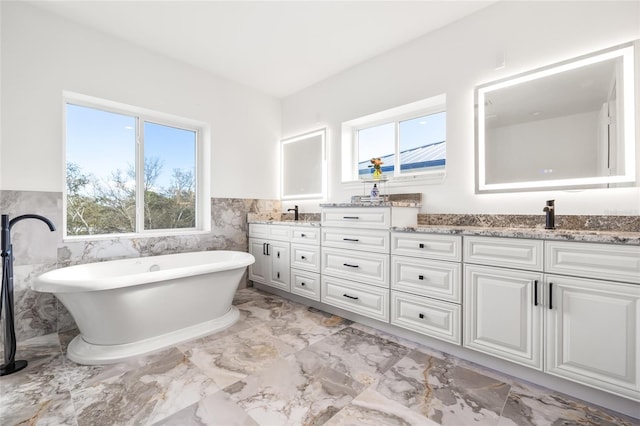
(303,163)
(564,126)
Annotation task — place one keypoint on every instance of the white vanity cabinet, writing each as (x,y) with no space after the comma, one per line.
(270,246)
(355,257)
(426,292)
(571,309)
(305,261)
(593,324)
(503,298)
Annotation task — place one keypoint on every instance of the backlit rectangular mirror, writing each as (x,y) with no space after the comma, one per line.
(303,166)
(568,125)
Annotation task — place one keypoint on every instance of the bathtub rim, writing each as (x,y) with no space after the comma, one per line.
(83,352)
(48,282)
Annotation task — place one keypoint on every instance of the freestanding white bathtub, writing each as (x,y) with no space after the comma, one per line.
(129,307)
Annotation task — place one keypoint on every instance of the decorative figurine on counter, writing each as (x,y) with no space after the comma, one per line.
(377,167)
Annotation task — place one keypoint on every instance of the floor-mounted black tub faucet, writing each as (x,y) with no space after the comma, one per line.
(6,300)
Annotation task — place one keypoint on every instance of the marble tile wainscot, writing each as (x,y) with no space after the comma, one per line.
(573,384)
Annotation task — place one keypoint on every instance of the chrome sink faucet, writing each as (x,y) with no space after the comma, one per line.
(549,209)
(295,212)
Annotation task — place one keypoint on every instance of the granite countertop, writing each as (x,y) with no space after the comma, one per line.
(287,222)
(607,237)
(380,204)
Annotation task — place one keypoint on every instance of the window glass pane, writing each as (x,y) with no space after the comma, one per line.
(374,142)
(169,177)
(422,143)
(100,171)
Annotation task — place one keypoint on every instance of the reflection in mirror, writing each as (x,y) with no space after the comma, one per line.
(303,173)
(564,126)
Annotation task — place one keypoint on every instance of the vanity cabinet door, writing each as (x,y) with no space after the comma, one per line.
(259,270)
(592,330)
(502,315)
(280,273)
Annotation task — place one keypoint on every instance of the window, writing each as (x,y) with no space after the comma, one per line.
(409,140)
(133,171)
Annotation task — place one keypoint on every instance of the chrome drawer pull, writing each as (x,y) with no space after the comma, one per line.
(351,239)
(350,297)
(351,217)
(350,266)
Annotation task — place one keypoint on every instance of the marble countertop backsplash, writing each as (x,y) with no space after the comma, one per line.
(596,229)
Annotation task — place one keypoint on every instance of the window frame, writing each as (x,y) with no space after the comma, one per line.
(350,142)
(141,115)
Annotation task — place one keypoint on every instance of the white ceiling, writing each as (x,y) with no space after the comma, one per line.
(277,47)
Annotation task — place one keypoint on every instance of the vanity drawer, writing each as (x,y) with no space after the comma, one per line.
(357,217)
(305,235)
(306,284)
(269,232)
(430,278)
(372,268)
(591,260)
(305,257)
(358,239)
(441,247)
(505,252)
(440,320)
(370,301)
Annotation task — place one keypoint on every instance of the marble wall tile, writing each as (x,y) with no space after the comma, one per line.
(32,240)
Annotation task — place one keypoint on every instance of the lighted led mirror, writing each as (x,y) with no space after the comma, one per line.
(303,163)
(569,125)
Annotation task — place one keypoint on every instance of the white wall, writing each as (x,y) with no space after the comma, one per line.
(453,60)
(43,54)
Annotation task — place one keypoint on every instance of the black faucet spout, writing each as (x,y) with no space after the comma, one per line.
(549,210)
(295,212)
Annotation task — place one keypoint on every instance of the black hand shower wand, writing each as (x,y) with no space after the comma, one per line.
(6,299)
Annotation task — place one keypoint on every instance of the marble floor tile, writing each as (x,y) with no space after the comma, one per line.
(444,392)
(39,394)
(165,384)
(282,364)
(530,405)
(249,295)
(370,408)
(294,391)
(215,410)
(229,359)
(362,356)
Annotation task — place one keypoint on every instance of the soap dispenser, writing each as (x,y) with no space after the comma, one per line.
(375,194)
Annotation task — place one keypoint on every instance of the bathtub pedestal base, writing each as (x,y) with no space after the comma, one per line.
(86,353)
